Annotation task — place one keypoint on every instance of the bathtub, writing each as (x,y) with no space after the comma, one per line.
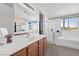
(69,39)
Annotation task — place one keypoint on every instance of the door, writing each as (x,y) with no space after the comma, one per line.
(41,19)
(50,31)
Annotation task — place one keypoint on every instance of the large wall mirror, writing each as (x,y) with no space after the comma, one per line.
(24,20)
(20,25)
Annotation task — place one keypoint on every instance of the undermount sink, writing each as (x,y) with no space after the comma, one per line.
(21,37)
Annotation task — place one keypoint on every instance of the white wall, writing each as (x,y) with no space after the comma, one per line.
(38,8)
(20,12)
(6,17)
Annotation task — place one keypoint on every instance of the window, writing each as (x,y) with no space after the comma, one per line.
(73,23)
(66,23)
(69,23)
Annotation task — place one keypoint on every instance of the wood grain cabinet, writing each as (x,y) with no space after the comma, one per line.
(22,52)
(41,47)
(45,44)
(33,49)
(37,48)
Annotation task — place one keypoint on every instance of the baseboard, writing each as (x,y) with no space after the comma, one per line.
(51,42)
(75,46)
(67,43)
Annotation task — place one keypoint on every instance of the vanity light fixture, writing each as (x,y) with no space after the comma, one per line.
(26,7)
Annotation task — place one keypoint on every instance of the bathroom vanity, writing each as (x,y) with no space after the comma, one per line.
(33,46)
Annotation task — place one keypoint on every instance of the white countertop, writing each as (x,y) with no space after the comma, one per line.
(19,42)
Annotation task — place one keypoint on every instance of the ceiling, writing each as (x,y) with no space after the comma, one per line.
(59,9)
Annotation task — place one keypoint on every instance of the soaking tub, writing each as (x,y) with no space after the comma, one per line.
(69,39)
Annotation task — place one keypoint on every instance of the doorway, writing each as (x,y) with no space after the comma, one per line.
(41,21)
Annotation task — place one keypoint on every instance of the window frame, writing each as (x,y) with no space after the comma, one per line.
(68,28)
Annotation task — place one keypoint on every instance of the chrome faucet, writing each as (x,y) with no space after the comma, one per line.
(28,35)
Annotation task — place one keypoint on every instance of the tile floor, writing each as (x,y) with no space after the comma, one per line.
(55,50)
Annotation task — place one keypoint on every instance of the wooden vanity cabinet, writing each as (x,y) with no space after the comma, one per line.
(22,52)
(33,49)
(37,48)
(41,47)
(45,44)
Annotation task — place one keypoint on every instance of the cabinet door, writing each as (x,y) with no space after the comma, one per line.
(45,44)
(20,53)
(41,47)
(33,49)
